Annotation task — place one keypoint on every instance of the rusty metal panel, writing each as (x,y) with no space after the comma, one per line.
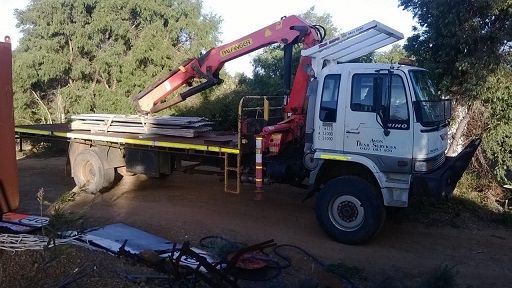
(9,186)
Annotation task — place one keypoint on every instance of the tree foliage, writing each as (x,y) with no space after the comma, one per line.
(268,65)
(391,56)
(220,104)
(460,41)
(498,137)
(80,56)
(466,46)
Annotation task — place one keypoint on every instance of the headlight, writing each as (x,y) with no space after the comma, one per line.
(429,164)
(421,166)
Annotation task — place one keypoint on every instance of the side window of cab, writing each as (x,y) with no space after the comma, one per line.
(398,110)
(329,100)
(384,92)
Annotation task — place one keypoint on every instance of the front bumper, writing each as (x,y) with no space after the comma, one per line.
(442,181)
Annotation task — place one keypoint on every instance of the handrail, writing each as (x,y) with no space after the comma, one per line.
(353,44)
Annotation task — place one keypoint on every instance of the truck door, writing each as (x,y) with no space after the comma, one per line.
(329,125)
(378,119)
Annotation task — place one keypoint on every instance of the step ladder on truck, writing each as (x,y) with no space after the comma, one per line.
(361,136)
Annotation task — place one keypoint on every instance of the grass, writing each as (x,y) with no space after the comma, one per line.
(473,198)
(62,219)
(484,197)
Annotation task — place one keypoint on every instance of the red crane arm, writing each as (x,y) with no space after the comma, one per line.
(288,30)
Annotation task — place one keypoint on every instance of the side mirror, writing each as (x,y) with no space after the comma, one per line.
(382,101)
(382,112)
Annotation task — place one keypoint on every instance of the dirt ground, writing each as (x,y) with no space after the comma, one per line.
(189,207)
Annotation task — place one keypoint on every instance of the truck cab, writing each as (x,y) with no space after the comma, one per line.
(373,113)
(379,131)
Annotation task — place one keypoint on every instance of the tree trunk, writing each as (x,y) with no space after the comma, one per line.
(457,130)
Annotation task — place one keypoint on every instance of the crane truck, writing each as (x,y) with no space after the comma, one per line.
(359,136)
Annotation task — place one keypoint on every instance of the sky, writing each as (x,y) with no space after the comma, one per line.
(243,17)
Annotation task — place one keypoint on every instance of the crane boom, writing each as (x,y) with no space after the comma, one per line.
(289,30)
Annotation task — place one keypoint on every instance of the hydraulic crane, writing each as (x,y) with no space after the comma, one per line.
(288,31)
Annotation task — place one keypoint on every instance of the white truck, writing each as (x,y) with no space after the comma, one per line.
(361,136)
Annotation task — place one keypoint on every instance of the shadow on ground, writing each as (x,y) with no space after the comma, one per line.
(188,207)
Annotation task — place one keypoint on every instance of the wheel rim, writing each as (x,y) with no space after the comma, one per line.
(346,212)
(87,173)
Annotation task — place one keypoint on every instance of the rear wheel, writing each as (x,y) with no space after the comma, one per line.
(90,173)
(350,210)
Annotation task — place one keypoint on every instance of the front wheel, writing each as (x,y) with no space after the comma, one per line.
(350,210)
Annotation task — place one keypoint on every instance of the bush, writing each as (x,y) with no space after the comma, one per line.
(219,105)
(498,138)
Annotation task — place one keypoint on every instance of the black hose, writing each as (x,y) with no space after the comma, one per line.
(322,32)
(274,267)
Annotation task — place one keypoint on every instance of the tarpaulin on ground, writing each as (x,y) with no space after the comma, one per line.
(115,237)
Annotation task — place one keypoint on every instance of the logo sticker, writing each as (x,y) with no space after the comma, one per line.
(233,48)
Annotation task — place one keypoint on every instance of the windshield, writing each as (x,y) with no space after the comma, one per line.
(429,108)
(423,87)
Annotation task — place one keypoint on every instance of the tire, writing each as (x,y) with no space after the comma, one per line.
(363,210)
(89,172)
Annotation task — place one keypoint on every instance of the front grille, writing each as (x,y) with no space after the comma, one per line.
(437,161)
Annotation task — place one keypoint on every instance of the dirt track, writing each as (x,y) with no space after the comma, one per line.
(189,207)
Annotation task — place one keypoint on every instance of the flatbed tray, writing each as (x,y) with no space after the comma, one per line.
(215,141)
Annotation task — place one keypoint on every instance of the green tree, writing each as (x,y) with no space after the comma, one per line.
(219,104)
(498,137)
(80,56)
(466,46)
(460,41)
(392,55)
(268,65)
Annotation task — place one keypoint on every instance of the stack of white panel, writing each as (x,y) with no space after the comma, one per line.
(159,125)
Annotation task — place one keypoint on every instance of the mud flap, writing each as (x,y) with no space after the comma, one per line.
(442,181)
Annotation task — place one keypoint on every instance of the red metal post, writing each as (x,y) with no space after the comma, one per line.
(9,187)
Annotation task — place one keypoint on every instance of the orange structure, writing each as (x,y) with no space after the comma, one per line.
(9,187)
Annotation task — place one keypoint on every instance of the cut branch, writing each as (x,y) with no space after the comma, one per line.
(43,106)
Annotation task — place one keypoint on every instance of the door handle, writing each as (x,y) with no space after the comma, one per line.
(353,131)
